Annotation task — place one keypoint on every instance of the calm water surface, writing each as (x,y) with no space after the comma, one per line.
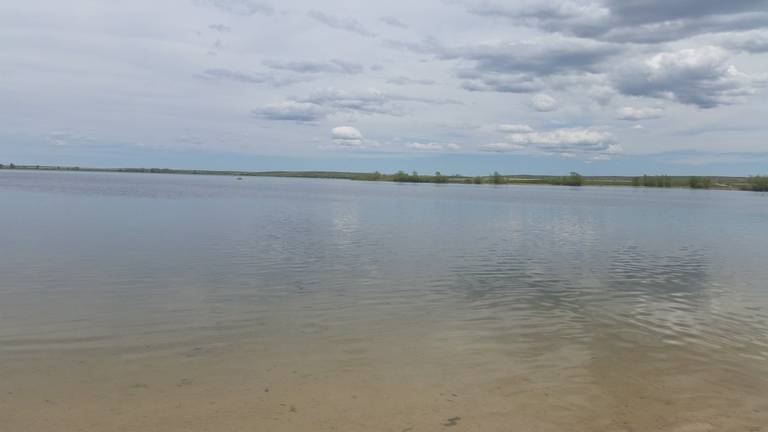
(186,303)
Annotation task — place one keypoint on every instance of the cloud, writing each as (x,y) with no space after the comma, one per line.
(501,147)
(65,138)
(574,18)
(477,81)
(645,11)
(429,45)
(544,55)
(752,42)
(696,76)
(433,146)
(346,24)
(331,66)
(393,21)
(239,7)
(329,101)
(514,128)
(250,78)
(402,80)
(347,137)
(666,31)
(371,101)
(517,66)
(221,28)
(368,102)
(639,21)
(544,103)
(634,114)
(291,111)
(581,142)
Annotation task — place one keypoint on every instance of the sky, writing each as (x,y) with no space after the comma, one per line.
(462,86)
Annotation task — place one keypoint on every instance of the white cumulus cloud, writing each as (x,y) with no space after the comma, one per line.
(583,142)
(695,76)
(543,103)
(347,137)
(631,113)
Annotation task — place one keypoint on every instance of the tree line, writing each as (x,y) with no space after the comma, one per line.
(573,179)
(667,181)
(754,183)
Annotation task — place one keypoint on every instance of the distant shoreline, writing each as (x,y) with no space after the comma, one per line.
(574,179)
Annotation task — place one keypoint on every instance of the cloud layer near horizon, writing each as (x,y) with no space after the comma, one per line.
(585,79)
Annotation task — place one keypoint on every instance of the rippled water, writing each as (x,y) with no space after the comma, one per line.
(206,303)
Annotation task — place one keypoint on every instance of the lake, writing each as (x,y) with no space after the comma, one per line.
(141,302)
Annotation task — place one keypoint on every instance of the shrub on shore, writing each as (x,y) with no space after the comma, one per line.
(660,181)
(574,179)
(700,182)
(758,183)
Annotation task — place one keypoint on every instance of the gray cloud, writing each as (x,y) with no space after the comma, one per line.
(428,45)
(474,80)
(221,28)
(331,66)
(699,76)
(752,42)
(250,78)
(517,67)
(239,7)
(339,23)
(291,111)
(403,80)
(66,138)
(643,21)
(393,22)
(543,56)
(368,102)
(645,11)
(329,101)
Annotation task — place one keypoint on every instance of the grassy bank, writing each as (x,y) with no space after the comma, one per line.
(754,183)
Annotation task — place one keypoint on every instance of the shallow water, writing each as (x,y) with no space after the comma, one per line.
(192,303)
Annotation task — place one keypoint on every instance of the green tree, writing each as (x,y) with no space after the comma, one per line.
(575,179)
(758,183)
(696,182)
(400,176)
(497,178)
